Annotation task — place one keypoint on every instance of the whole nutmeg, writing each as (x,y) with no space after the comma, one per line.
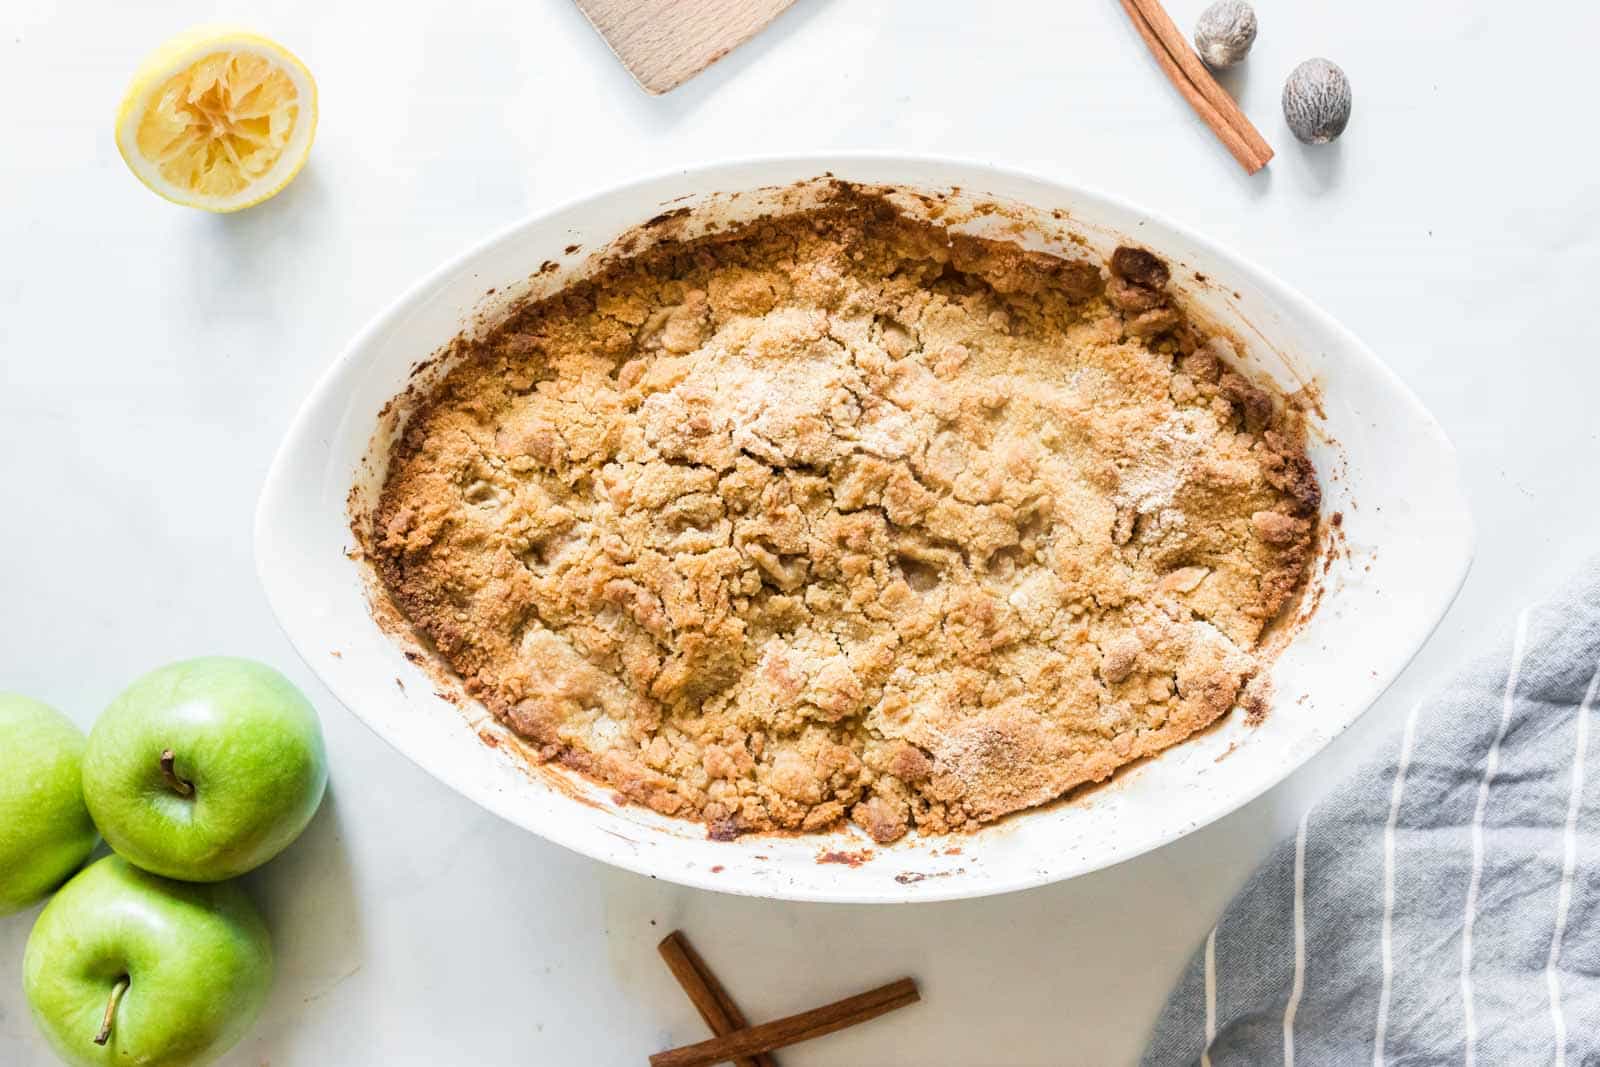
(1225,32)
(1316,101)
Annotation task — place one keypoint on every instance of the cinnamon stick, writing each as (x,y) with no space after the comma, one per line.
(1191,78)
(1200,75)
(792,1029)
(707,994)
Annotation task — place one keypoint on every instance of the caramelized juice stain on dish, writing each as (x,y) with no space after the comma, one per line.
(849,859)
(913,877)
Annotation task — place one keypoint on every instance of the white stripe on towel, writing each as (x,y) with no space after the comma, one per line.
(1408,739)
(1569,837)
(1211,997)
(1492,764)
(1299,943)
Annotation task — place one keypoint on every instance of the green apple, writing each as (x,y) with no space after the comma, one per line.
(45,830)
(205,769)
(128,968)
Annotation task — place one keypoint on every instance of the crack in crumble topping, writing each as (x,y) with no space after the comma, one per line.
(842,515)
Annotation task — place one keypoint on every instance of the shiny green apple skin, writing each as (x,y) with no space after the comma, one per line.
(197,959)
(245,743)
(45,829)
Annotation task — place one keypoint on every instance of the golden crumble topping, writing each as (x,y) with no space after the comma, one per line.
(845,516)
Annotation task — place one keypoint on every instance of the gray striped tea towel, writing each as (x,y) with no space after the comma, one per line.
(1443,905)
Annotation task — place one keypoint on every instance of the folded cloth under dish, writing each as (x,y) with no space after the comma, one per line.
(1442,905)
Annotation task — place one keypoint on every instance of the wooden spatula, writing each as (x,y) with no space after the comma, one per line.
(664,43)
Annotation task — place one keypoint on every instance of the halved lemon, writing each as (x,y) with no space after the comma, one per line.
(218,119)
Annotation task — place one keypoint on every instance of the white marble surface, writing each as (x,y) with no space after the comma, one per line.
(153,356)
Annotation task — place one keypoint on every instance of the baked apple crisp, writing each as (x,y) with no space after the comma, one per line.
(841,515)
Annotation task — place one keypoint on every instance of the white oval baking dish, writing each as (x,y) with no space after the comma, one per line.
(1386,468)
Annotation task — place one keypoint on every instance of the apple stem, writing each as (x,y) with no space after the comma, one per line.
(111,1010)
(174,783)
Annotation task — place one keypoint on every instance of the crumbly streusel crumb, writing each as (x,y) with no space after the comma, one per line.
(841,515)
